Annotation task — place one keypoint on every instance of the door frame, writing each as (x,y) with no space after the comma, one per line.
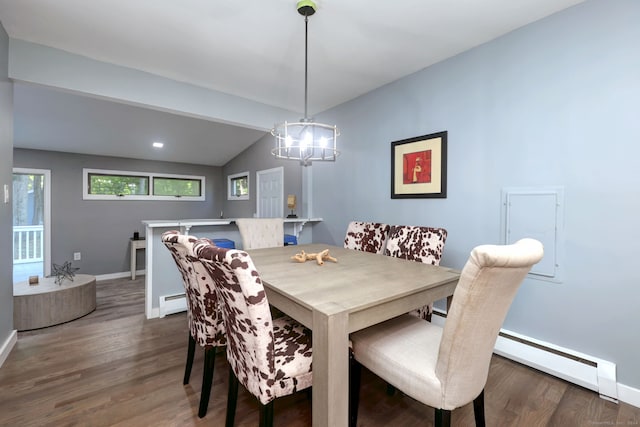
(264,172)
(46,266)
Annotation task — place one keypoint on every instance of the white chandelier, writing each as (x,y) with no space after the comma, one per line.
(305,140)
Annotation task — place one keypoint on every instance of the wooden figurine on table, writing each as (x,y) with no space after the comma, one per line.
(320,257)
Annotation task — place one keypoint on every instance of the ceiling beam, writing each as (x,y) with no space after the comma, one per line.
(42,65)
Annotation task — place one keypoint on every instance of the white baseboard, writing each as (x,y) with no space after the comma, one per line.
(120,275)
(629,395)
(7,346)
(154,314)
(572,366)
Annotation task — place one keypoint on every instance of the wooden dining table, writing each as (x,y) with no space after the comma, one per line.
(335,299)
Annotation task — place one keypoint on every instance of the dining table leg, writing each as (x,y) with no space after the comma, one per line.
(330,366)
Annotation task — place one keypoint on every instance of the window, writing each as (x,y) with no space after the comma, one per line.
(122,185)
(118,185)
(238,186)
(178,187)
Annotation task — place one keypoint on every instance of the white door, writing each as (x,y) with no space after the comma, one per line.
(270,198)
(31,223)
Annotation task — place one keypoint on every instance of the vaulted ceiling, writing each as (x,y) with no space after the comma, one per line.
(252,49)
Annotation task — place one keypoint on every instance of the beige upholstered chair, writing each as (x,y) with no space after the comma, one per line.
(206,327)
(422,244)
(260,233)
(366,236)
(269,357)
(446,368)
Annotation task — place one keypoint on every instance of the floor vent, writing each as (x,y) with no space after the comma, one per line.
(170,304)
(581,369)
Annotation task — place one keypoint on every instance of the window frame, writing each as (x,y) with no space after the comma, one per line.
(150,176)
(231,178)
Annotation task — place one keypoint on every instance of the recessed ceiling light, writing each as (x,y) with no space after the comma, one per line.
(157,144)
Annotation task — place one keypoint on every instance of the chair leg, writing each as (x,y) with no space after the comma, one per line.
(191,350)
(232,399)
(207,380)
(355,373)
(478,409)
(443,418)
(391,390)
(428,316)
(266,414)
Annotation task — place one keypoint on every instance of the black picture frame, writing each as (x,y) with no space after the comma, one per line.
(419,167)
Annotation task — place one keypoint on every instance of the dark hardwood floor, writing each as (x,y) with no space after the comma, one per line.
(115,368)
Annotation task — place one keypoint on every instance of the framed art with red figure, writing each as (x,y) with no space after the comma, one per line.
(419,167)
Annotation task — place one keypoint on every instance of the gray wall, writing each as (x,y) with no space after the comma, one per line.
(100,229)
(553,103)
(6,156)
(256,158)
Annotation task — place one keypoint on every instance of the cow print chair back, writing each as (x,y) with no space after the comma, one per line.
(422,244)
(269,357)
(366,236)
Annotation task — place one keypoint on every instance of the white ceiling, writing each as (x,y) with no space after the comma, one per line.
(253,49)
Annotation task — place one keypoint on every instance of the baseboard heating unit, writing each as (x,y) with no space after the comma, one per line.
(170,304)
(577,368)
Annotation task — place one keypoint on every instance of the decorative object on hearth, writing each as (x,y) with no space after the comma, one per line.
(64,271)
(291,204)
(305,140)
(320,257)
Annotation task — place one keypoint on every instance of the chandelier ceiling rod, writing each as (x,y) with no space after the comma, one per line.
(306,63)
(306,9)
(306,140)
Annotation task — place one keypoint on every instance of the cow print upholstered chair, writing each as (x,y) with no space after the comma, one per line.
(447,368)
(366,236)
(269,357)
(206,327)
(422,244)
